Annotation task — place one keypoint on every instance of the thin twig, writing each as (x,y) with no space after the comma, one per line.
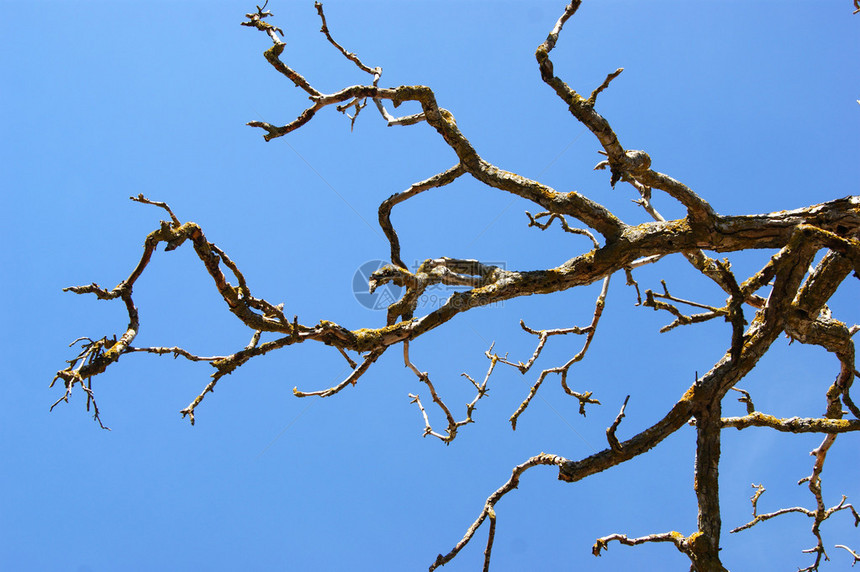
(610,431)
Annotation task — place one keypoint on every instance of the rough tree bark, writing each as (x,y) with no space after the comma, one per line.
(786,296)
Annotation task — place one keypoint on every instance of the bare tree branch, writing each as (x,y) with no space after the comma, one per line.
(785,296)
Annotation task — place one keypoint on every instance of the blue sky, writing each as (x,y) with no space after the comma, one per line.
(752,104)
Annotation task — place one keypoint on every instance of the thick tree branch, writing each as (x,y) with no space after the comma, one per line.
(792,424)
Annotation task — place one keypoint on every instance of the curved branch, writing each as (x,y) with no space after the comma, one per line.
(489,507)
(438,180)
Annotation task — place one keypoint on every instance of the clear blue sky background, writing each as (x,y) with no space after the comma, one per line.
(750,103)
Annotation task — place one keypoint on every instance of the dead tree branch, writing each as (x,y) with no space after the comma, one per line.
(785,296)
